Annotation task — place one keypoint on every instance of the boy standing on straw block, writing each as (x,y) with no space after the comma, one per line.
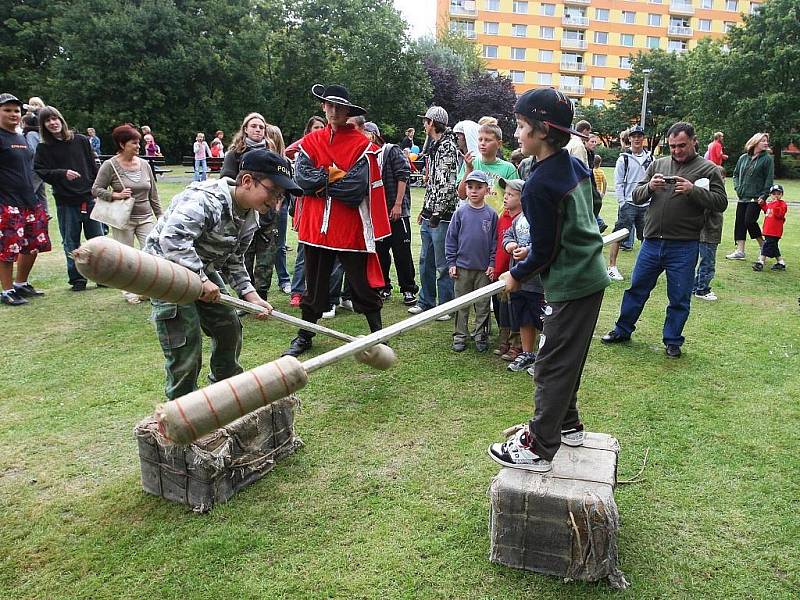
(209,226)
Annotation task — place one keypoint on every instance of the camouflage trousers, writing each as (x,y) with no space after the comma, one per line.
(179,329)
(260,260)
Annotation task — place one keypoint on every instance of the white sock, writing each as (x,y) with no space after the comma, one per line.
(19,284)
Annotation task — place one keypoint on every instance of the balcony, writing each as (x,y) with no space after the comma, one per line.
(466,10)
(681,8)
(680,31)
(572,90)
(580,22)
(573,67)
(581,2)
(573,44)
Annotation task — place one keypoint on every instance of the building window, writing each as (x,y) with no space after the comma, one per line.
(624,85)
(654,20)
(755,8)
(546,56)
(492,72)
(518,53)
(624,62)
(465,28)
(598,83)
(547,10)
(601,14)
(547,33)
(493,5)
(628,17)
(655,1)
(490,51)
(727,26)
(704,24)
(519,30)
(731,5)
(598,102)
(707,4)
(521,8)
(518,76)
(676,46)
(600,37)
(490,28)
(545,79)
(570,80)
(599,60)
(653,42)
(626,39)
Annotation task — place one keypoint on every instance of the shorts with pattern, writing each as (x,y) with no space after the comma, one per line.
(22,231)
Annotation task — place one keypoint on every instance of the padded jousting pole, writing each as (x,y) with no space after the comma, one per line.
(191,416)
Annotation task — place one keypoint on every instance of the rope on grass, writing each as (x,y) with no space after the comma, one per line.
(635,478)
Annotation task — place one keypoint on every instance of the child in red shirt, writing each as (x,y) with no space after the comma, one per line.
(508,346)
(775,208)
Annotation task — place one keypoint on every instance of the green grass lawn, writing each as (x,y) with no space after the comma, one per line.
(389,496)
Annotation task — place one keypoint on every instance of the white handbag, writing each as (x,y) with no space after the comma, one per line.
(116,213)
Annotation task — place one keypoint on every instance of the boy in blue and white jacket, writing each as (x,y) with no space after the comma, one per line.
(470,247)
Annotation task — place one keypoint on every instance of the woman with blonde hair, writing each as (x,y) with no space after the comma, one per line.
(752,178)
(129,176)
(250,135)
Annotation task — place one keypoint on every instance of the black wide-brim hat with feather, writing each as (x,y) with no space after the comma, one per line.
(337,94)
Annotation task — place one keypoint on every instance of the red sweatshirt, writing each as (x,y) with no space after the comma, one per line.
(776,217)
(501,257)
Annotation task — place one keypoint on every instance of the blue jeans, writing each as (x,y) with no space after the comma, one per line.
(299,275)
(434,275)
(280,259)
(706,268)
(678,259)
(71,221)
(630,217)
(200,169)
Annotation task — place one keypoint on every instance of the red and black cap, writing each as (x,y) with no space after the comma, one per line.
(549,106)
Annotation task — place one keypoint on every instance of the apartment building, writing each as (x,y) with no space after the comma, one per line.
(583,46)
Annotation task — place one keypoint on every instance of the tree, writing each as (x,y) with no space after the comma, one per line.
(607,121)
(664,106)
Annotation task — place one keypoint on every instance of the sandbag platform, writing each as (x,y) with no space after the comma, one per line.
(216,466)
(564,522)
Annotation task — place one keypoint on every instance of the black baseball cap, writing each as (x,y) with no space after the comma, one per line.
(549,106)
(10,99)
(776,188)
(271,165)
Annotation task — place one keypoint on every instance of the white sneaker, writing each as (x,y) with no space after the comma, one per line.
(573,437)
(735,255)
(346,304)
(329,314)
(708,296)
(516,454)
(286,288)
(445,317)
(613,273)
(415,310)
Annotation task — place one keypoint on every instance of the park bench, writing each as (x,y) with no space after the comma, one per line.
(214,164)
(156,163)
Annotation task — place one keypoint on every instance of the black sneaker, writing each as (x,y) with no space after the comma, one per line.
(298,346)
(522,362)
(385,294)
(12,298)
(409,299)
(673,351)
(78,287)
(27,291)
(758,266)
(481,346)
(778,267)
(459,346)
(614,337)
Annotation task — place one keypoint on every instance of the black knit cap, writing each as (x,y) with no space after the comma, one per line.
(549,106)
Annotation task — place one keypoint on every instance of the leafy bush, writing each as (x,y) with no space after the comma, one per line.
(609,155)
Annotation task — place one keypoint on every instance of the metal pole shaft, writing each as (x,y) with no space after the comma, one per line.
(391,331)
(255,309)
(644,101)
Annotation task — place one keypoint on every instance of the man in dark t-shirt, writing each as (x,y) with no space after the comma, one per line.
(23,220)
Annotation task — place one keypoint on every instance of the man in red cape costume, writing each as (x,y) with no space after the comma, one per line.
(342,213)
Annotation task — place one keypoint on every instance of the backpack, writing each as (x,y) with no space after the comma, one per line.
(625,156)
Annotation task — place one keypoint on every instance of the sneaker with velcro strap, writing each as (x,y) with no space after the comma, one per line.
(26,290)
(12,298)
(522,362)
(778,267)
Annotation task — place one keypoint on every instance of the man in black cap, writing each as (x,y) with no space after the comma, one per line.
(208,227)
(23,220)
(342,213)
(567,252)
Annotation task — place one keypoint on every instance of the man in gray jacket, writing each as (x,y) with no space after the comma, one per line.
(680,188)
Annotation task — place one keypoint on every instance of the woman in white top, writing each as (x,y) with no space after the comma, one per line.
(128,176)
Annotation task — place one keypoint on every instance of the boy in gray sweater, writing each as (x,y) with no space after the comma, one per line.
(470,247)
